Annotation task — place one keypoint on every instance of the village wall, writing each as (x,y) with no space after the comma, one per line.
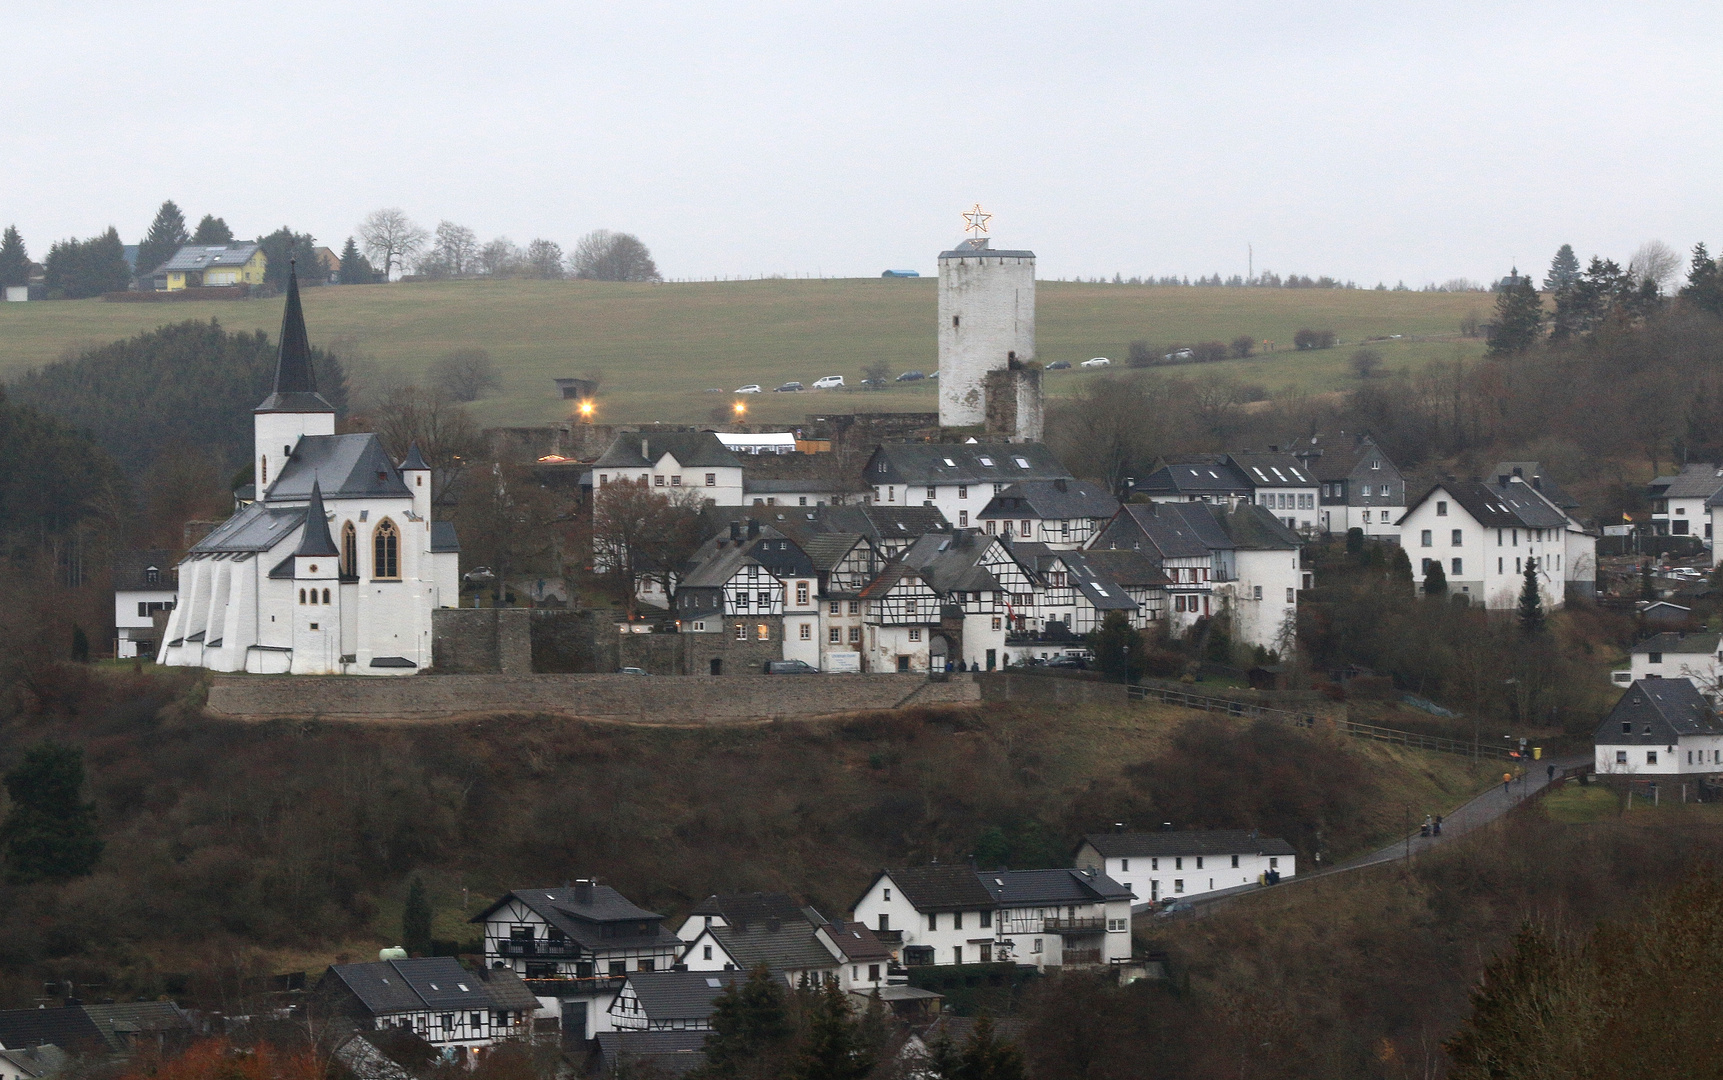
(686,699)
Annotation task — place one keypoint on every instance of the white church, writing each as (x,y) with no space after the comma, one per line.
(336,567)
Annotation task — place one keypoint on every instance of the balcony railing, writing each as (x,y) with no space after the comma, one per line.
(1074,926)
(893,938)
(1073,957)
(539,949)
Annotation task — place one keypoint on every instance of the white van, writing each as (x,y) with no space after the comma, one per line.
(829,382)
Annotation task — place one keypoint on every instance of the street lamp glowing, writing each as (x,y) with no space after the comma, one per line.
(740,409)
(586,410)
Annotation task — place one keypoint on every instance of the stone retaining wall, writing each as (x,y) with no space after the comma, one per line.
(673,699)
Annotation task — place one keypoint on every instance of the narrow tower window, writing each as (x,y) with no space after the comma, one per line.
(954,319)
(349,551)
(265,481)
(386,554)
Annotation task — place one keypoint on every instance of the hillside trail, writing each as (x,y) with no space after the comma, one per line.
(1469,816)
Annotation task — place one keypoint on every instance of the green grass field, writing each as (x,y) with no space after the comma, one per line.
(660,347)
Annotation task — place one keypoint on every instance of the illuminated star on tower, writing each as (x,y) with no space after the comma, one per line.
(976,220)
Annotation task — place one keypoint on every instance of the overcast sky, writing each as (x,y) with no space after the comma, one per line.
(1368,141)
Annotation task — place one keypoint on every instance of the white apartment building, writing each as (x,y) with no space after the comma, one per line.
(1660,727)
(1159,866)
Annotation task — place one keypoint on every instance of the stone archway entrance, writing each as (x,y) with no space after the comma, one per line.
(938,652)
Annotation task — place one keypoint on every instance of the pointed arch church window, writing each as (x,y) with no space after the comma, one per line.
(386,551)
(349,551)
(325,596)
(302,596)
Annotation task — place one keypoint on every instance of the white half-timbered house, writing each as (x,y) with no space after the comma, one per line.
(1168,534)
(434,997)
(1058,513)
(900,613)
(669,1000)
(574,946)
(959,479)
(977,577)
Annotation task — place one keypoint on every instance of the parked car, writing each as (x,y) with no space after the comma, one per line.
(790,667)
(714,390)
(1180,354)
(1068,661)
(1175,908)
(830,382)
(789,388)
(1097,361)
(872,383)
(912,376)
(1686,573)
(632,671)
(751,388)
(1059,365)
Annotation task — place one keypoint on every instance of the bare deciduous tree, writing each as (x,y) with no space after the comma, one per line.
(1364,362)
(465,374)
(391,238)
(603,255)
(639,535)
(544,259)
(456,247)
(1112,430)
(447,436)
(500,257)
(1655,262)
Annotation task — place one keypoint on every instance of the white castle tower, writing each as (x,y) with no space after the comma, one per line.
(987,337)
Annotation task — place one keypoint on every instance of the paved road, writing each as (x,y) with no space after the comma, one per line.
(1475,813)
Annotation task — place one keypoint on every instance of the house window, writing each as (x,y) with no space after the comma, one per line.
(762,632)
(325,596)
(711,479)
(302,596)
(855,607)
(963,491)
(1651,757)
(933,920)
(801,594)
(997,624)
(957,920)
(741,632)
(1235,862)
(1273,863)
(887,894)
(1654,658)
(963,519)
(1425,539)
(1178,862)
(855,635)
(1456,539)
(1441,509)
(1027,528)
(1256,593)
(1179,884)
(1154,864)
(386,552)
(807,632)
(676,481)
(658,480)
(873,973)
(1035,946)
(1199,862)
(915,633)
(1291,596)
(932,492)
(835,635)
(1621,756)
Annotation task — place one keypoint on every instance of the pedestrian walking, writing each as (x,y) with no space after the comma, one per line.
(1551,772)
(1507,778)
(1424,830)
(1438,825)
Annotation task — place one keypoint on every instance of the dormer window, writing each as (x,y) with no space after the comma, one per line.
(152,575)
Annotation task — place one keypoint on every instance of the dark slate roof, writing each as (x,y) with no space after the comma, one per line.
(295,381)
(1337,458)
(1022,888)
(1255,528)
(1680,643)
(314,538)
(1531,470)
(918,464)
(740,909)
(692,449)
(354,466)
(674,1052)
(1496,506)
(417,985)
(878,523)
(205,256)
(1272,470)
(1206,477)
(958,1029)
(1657,713)
(1102,592)
(715,568)
(130,566)
(256,527)
(858,942)
(771,473)
(1537,509)
(826,550)
(1188,842)
(941,888)
(1057,499)
(952,561)
(679,995)
(415,460)
(790,947)
(882,583)
(69,1028)
(578,910)
(1164,534)
(443,536)
(1127,567)
(119,1022)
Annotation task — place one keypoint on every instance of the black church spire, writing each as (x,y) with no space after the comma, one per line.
(315,540)
(295,381)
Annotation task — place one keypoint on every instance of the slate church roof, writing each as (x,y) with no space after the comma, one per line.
(295,381)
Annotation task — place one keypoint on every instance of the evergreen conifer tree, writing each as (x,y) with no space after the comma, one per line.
(1400,573)
(167,234)
(749,1021)
(1704,288)
(986,1058)
(212,230)
(1435,581)
(355,268)
(50,832)
(14,260)
(416,920)
(1118,648)
(1531,602)
(831,1047)
(1519,316)
(1355,541)
(1564,270)
(281,248)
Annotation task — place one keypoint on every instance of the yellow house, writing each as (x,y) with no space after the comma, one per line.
(198,265)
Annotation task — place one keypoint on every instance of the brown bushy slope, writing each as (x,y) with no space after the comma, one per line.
(238,848)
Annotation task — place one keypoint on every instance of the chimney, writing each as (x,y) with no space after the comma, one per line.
(753,528)
(1502,479)
(1166,826)
(583,891)
(735,530)
(1519,471)
(1537,482)
(1118,826)
(645,450)
(1059,485)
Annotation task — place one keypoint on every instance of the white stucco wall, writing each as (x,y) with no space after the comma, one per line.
(986,312)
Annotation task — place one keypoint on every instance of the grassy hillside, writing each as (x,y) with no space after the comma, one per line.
(659,347)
